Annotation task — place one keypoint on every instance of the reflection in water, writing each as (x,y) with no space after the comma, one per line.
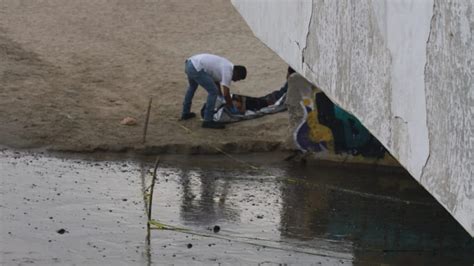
(378,221)
(279,214)
(378,218)
(143,179)
(204,198)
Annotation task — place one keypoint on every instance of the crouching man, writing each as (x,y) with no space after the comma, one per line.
(211,72)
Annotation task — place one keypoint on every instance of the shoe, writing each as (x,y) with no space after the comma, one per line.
(212,124)
(188,116)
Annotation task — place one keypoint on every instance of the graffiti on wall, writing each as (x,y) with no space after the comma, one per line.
(327,127)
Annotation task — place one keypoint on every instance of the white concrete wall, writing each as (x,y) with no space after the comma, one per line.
(403,67)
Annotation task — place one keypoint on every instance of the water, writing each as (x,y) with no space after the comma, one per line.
(279,213)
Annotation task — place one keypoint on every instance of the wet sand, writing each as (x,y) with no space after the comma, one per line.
(278,213)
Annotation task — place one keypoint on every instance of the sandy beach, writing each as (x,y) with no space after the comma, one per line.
(72,70)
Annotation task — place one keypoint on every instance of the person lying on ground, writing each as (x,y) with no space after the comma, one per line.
(243,103)
(210,72)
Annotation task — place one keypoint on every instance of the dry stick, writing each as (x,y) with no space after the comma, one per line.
(146,120)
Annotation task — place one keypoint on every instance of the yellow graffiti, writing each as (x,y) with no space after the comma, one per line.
(307,102)
(317,132)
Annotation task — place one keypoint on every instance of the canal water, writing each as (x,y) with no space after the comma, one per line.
(70,209)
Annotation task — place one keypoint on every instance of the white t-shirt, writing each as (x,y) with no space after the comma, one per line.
(219,68)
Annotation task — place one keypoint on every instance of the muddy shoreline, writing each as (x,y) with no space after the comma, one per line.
(168,149)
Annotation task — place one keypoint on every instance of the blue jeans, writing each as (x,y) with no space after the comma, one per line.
(196,78)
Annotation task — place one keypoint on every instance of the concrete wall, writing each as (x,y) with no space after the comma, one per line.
(404,68)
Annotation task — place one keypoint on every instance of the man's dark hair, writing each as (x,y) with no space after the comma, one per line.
(239,73)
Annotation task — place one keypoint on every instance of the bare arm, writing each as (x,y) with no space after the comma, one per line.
(218,85)
(227,97)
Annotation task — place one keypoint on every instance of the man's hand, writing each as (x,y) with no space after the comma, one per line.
(227,97)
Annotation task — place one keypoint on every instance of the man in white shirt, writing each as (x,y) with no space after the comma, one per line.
(211,72)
